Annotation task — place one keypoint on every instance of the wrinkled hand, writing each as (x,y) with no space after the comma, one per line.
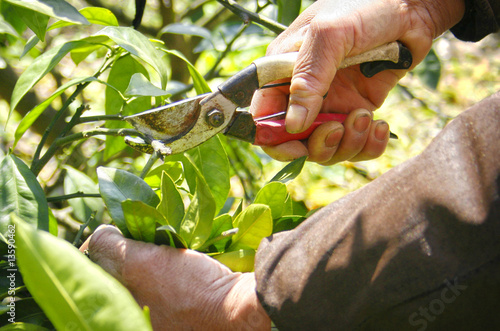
(326,33)
(184,289)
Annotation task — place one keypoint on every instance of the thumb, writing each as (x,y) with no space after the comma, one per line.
(313,74)
(107,247)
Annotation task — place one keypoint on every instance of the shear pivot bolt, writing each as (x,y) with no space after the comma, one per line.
(215,118)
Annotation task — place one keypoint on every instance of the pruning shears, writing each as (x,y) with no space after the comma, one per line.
(182,125)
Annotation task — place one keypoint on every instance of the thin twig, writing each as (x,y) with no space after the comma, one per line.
(149,164)
(97,118)
(78,194)
(248,16)
(82,228)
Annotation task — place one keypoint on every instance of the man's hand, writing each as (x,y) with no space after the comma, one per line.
(184,289)
(326,33)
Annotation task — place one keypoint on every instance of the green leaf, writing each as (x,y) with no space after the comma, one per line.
(141,86)
(241,260)
(171,205)
(119,77)
(21,194)
(33,114)
(36,21)
(199,83)
(59,9)
(211,159)
(288,10)
(39,68)
(254,223)
(429,70)
(186,29)
(77,181)
(72,291)
(29,45)
(6,28)
(117,186)
(95,15)
(274,195)
(173,169)
(290,171)
(197,223)
(139,45)
(141,219)
(221,224)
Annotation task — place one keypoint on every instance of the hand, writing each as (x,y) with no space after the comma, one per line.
(326,33)
(184,289)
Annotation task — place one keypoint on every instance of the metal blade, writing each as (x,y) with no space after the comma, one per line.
(168,122)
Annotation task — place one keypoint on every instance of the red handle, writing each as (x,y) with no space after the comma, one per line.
(273,132)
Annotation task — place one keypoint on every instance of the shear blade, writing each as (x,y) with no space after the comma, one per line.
(168,122)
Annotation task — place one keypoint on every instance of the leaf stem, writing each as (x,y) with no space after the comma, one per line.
(223,235)
(97,118)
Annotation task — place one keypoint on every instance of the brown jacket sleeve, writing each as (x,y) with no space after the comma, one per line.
(481,18)
(418,248)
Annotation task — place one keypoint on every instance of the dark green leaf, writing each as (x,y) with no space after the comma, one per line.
(33,114)
(199,83)
(59,9)
(274,195)
(139,45)
(20,326)
(211,159)
(238,261)
(40,67)
(254,223)
(290,171)
(21,194)
(73,291)
(197,223)
(141,86)
(171,205)
(141,219)
(119,77)
(166,235)
(288,10)
(429,70)
(77,181)
(117,186)
(36,21)
(6,28)
(287,223)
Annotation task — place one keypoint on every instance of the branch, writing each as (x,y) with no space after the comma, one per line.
(78,194)
(248,16)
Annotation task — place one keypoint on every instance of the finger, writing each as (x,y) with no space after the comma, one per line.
(324,141)
(269,101)
(356,131)
(376,142)
(106,247)
(288,151)
(314,71)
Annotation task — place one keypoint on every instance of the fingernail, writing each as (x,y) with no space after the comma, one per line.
(362,122)
(381,131)
(333,138)
(295,118)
